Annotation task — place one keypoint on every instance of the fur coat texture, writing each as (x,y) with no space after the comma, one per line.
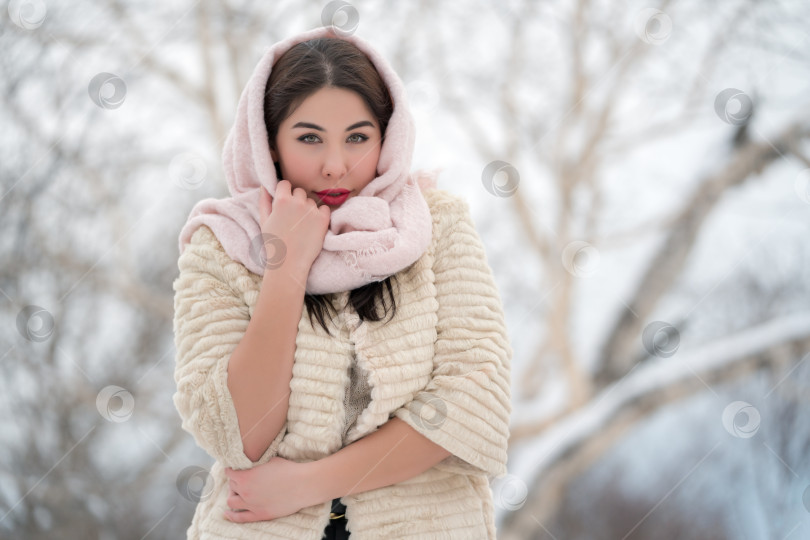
(442,365)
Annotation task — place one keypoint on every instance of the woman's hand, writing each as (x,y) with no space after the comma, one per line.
(275,489)
(297,220)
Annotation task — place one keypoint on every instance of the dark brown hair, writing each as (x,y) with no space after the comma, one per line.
(300,72)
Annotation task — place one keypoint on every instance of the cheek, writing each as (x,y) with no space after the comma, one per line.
(367,163)
(296,163)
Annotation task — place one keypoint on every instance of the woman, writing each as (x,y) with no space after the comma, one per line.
(379,424)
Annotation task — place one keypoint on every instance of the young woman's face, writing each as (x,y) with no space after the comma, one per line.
(331,141)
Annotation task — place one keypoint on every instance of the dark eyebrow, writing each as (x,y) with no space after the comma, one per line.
(319,128)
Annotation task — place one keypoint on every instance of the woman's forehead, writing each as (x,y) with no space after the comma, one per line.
(333,109)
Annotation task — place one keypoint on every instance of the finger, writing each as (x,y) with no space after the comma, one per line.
(265,203)
(243,516)
(300,193)
(233,484)
(235,501)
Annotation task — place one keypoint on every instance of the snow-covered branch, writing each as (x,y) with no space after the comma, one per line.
(619,354)
(649,386)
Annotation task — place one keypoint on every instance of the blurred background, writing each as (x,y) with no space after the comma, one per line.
(638,171)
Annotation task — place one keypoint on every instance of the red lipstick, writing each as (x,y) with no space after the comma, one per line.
(333,196)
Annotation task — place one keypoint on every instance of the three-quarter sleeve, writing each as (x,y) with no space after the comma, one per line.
(210,320)
(465,407)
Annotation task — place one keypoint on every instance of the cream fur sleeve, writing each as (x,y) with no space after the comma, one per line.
(465,407)
(209,321)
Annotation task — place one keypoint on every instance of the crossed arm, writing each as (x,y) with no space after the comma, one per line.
(393,453)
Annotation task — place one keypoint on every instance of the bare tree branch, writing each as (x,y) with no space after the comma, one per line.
(619,353)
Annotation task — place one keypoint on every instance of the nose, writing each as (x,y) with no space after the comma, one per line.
(334,164)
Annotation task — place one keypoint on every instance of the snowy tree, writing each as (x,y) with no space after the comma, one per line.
(639,174)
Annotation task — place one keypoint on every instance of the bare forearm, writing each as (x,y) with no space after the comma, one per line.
(393,453)
(260,368)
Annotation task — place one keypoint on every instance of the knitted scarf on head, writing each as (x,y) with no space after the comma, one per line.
(382,230)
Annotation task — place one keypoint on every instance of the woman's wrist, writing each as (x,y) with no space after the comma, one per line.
(288,279)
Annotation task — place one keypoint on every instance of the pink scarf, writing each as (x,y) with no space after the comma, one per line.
(382,230)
